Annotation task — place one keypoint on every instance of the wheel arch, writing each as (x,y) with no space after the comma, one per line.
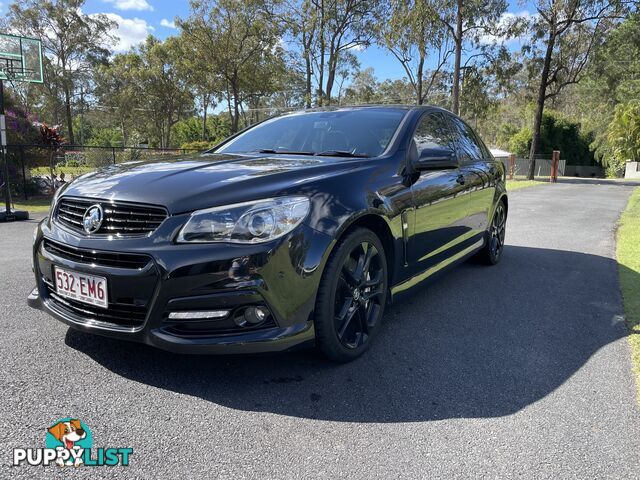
(379,226)
(505,198)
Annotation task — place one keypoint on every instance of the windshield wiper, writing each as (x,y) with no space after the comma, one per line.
(283,152)
(341,153)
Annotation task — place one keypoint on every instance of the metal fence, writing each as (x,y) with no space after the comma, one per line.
(542,166)
(37,170)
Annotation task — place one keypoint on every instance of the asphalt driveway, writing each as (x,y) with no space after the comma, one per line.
(516,370)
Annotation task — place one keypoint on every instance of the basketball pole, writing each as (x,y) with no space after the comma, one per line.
(3,147)
(8,215)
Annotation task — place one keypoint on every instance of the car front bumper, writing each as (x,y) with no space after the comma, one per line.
(282,276)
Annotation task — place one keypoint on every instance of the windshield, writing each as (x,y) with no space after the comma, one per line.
(364,132)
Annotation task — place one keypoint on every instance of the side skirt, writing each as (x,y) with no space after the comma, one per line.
(406,286)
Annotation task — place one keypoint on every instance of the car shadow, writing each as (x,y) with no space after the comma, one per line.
(478,342)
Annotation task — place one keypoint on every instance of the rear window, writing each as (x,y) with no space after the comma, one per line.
(365,131)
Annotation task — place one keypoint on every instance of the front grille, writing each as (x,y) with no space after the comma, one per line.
(119,314)
(120,218)
(96,257)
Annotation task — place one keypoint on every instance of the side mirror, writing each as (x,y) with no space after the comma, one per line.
(435,158)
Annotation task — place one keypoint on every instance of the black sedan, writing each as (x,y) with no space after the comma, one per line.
(296,231)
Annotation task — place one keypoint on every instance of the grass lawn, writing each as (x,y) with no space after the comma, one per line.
(628,253)
(518,184)
(33,205)
(68,171)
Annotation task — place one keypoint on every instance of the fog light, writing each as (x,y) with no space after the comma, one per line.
(198,315)
(252,316)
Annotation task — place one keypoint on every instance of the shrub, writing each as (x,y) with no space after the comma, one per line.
(199,145)
(556,133)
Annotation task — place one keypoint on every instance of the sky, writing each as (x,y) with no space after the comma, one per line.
(138,18)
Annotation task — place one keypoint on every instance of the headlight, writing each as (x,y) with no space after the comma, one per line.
(250,222)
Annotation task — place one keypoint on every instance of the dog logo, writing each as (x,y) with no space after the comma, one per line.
(92,219)
(72,435)
(68,442)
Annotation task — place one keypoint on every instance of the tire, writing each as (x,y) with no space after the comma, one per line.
(492,251)
(351,296)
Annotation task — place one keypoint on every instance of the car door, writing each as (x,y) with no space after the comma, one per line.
(478,171)
(440,216)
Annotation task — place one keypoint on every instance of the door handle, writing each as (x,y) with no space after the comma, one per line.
(460,179)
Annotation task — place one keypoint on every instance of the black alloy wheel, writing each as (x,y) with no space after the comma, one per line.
(352,296)
(497,232)
(492,251)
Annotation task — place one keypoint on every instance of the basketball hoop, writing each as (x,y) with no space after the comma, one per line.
(20,61)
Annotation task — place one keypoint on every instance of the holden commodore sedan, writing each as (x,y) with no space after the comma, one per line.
(296,231)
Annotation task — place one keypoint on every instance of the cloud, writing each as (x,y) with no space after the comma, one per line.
(130,31)
(360,47)
(514,21)
(137,5)
(167,23)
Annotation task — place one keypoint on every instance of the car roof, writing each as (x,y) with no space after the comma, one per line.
(383,106)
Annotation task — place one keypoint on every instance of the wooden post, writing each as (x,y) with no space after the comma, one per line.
(512,165)
(555,160)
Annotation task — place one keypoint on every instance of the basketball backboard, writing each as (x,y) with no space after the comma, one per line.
(20,58)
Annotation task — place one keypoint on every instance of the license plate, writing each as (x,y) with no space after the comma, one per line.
(84,288)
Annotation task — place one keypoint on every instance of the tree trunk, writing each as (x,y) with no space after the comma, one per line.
(306,42)
(331,76)
(419,82)
(236,108)
(229,104)
(67,108)
(455,92)
(308,73)
(320,99)
(542,93)
(124,132)
(167,142)
(205,106)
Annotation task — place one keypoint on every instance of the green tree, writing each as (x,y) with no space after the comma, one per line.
(342,25)
(411,30)
(73,42)
(206,83)
(299,19)
(467,20)
(105,137)
(118,91)
(557,133)
(568,31)
(237,39)
(612,77)
(623,138)
(166,97)
(188,131)
(363,88)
